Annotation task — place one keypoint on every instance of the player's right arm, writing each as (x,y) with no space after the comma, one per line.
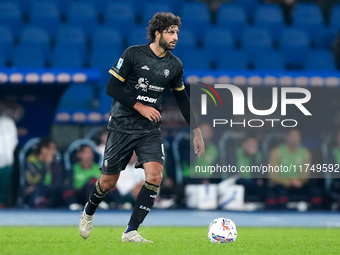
(115,89)
(116,84)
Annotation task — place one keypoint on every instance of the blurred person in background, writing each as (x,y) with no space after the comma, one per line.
(293,184)
(248,155)
(43,176)
(8,143)
(208,159)
(335,181)
(84,174)
(102,137)
(130,182)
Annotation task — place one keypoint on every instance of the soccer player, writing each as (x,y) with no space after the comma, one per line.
(138,81)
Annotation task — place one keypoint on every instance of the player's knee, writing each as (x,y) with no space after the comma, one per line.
(106,184)
(155,178)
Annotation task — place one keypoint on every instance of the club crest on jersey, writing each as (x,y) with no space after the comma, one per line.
(119,64)
(166,73)
(142,83)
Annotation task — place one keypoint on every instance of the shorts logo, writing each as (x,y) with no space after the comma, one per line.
(119,64)
(142,83)
(166,73)
(147,99)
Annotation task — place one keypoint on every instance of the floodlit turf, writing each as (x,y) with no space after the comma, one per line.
(176,240)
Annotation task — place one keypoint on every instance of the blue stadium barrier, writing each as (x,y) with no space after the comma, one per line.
(266,78)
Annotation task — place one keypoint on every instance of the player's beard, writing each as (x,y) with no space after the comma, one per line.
(166,46)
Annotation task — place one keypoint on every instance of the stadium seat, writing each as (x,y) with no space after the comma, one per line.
(232,60)
(247,5)
(325,37)
(2,60)
(151,8)
(6,42)
(295,46)
(232,17)
(71,38)
(321,60)
(26,57)
(195,16)
(45,14)
(11,15)
(99,5)
(137,6)
(270,60)
(309,18)
(24,5)
(215,46)
(186,42)
(105,102)
(335,17)
(196,59)
(82,15)
(270,17)
(77,97)
(256,41)
(175,5)
(67,58)
(137,36)
(120,16)
(107,38)
(35,38)
(62,5)
(104,58)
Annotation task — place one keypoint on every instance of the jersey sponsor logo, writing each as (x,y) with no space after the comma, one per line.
(166,73)
(119,64)
(147,99)
(142,83)
(145,67)
(156,88)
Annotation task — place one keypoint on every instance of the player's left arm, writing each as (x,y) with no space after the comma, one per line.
(185,106)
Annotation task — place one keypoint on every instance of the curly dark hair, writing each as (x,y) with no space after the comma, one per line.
(44,143)
(161,21)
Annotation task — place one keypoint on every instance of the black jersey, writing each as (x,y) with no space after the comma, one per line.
(145,77)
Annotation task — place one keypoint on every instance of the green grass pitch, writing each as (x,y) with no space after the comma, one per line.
(168,240)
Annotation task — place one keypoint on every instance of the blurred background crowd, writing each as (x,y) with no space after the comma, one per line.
(57,171)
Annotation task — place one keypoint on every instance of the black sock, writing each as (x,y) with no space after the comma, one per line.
(97,195)
(144,202)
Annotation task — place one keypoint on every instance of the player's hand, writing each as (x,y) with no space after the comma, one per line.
(198,142)
(148,112)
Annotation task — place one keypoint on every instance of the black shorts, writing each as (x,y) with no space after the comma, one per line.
(120,146)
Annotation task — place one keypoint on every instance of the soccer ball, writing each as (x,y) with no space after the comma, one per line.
(222,230)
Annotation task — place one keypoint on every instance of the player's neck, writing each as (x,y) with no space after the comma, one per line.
(159,51)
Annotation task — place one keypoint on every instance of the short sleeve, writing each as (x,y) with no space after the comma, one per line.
(177,82)
(122,67)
